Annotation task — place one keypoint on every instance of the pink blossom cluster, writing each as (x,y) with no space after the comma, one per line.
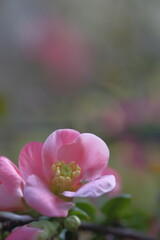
(63,52)
(51,174)
(129,113)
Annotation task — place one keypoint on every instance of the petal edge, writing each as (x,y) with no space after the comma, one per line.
(94,188)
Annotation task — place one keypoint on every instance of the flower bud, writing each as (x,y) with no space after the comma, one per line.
(72,223)
(40,230)
(48,229)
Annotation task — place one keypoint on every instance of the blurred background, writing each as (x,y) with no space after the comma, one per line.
(89,65)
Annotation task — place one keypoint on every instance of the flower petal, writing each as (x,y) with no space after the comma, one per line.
(8,203)
(52,144)
(30,160)
(11,184)
(38,195)
(94,188)
(24,233)
(9,171)
(89,152)
(117,189)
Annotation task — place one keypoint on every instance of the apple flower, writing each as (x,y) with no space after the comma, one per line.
(67,165)
(25,232)
(38,230)
(118,188)
(11,186)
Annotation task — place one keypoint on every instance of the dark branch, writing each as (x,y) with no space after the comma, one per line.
(10,220)
(116,231)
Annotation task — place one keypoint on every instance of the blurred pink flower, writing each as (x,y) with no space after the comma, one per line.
(155,228)
(67,165)
(126,114)
(25,232)
(113,120)
(127,120)
(141,111)
(62,50)
(11,186)
(134,153)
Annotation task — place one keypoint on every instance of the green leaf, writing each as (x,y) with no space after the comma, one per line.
(139,220)
(117,208)
(87,208)
(79,213)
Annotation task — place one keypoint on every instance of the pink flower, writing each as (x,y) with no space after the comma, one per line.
(67,165)
(25,233)
(64,52)
(118,187)
(155,228)
(11,184)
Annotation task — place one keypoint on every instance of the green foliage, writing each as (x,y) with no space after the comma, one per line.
(139,220)
(48,228)
(116,208)
(85,211)
(79,213)
(4,235)
(87,208)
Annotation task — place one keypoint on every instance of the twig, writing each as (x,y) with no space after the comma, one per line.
(10,220)
(116,231)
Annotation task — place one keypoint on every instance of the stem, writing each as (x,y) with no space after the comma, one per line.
(10,220)
(116,231)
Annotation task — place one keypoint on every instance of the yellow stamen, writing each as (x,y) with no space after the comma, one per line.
(64,175)
(76,173)
(57,172)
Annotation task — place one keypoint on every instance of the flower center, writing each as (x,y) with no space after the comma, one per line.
(64,175)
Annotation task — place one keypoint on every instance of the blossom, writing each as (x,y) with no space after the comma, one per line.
(67,165)
(118,188)
(25,232)
(155,228)
(61,50)
(38,230)
(11,185)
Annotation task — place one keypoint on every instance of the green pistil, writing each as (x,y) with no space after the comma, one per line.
(66,170)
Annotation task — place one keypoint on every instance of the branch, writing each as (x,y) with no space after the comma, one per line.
(10,220)
(116,231)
